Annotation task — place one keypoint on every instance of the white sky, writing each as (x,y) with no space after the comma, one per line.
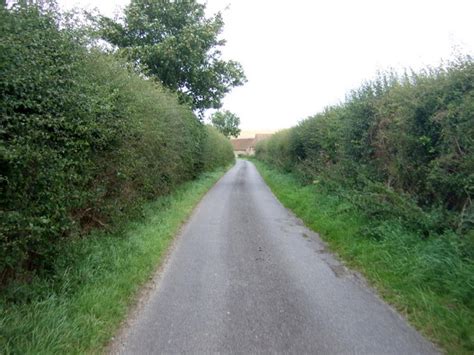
(302,55)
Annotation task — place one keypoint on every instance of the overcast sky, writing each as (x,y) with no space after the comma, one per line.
(303,55)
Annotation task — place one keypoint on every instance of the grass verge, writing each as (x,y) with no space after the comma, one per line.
(95,281)
(425,279)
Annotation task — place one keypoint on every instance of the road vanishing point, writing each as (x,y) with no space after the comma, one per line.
(246,276)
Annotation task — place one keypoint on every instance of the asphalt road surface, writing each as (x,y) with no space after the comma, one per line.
(246,276)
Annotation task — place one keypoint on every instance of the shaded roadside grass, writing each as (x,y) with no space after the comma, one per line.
(427,280)
(95,281)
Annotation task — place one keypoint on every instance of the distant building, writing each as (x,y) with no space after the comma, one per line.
(243,146)
(246,146)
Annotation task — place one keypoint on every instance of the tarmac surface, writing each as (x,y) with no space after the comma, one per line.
(246,276)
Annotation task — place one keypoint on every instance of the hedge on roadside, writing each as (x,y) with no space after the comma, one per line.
(84,139)
(405,143)
(216,150)
(388,179)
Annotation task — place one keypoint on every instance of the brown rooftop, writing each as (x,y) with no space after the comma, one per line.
(242,143)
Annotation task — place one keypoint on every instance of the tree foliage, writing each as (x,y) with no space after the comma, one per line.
(175,42)
(227,123)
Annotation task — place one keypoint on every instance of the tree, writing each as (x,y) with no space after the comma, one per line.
(227,123)
(175,42)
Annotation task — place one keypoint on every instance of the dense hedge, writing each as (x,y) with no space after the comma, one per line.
(406,143)
(83,138)
(216,150)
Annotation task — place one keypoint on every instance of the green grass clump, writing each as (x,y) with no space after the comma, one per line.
(430,280)
(95,279)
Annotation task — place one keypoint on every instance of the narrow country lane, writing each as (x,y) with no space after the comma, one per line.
(247,277)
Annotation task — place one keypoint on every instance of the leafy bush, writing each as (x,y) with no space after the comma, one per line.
(217,150)
(276,150)
(53,121)
(83,138)
(410,136)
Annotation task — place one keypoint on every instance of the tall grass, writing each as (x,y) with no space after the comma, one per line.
(427,279)
(95,281)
